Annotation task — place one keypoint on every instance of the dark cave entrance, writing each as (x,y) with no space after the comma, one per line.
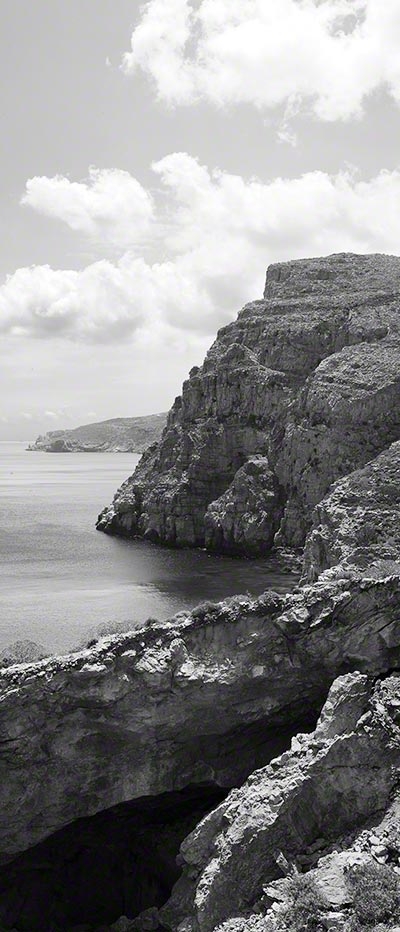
(122,861)
(116,863)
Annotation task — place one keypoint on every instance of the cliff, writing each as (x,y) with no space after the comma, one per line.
(221,770)
(117,435)
(300,390)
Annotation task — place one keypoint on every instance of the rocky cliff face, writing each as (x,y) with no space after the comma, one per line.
(300,390)
(200,701)
(117,435)
(309,799)
(129,730)
(357,524)
(111,756)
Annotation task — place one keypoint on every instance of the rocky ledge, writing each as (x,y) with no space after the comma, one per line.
(117,435)
(300,390)
(135,715)
(112,758)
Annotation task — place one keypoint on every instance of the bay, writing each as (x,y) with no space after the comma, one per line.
(61,581)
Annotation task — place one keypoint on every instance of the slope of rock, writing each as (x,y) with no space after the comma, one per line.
(136,714)
(347,412)
(117,435)
(307,379)
(247,515)
(332,782)
(357,524)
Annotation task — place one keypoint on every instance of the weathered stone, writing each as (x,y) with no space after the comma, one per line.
(136,714)
(317,788)
(247,515)
(357,524)
(347,413)
(307,378)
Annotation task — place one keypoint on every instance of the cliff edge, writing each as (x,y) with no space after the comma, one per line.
(300,390)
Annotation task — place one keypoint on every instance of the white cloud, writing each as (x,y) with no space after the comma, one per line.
(218,233)
(110,205)
(329,55)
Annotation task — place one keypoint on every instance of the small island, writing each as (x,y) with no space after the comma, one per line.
(116,435)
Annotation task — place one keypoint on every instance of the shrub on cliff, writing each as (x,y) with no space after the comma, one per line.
(206,610)
(375,892)
(305,908)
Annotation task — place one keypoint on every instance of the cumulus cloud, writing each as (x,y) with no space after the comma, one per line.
(218,231)
(110,205)
(326,55)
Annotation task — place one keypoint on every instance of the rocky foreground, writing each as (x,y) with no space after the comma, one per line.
(117,435)
(237,768)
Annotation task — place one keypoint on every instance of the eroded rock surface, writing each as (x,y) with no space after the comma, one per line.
(289,432)
(247,515)
(306,380)
(333,781)
(357,524)
(205,699)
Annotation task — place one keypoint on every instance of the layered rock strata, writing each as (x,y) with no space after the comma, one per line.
(357,524)
(301,389)
(206,698)
(301,392)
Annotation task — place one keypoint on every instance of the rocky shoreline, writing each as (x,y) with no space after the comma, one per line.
(252,745)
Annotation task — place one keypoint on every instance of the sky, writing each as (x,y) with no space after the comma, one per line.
(155,158)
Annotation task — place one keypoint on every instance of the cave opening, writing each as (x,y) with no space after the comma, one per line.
(116,863)
(123,860)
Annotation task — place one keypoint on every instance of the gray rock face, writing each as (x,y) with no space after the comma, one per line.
(309,792)
(202,699)
(117,435)
(357,524)
(347,412)
(299,393)
(247,515)
(306,380)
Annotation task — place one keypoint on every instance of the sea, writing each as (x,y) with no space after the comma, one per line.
(62,582)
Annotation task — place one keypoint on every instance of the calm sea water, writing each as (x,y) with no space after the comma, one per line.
(61,580)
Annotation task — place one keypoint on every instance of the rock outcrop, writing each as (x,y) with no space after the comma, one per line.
(117,435)
(135,715)
(331,783)
(357,524)
(246,516)
(301,389)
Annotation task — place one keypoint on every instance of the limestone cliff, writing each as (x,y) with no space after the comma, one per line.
(117,435)
(301,389)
